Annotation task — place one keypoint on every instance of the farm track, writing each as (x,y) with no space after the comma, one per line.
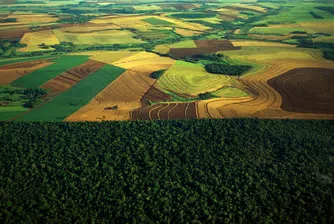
(11,72)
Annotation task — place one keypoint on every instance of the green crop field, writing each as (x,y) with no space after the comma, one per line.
(193,15)
(155,21)
(40,76)
(73,99)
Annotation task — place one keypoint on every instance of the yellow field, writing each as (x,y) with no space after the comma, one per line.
(190,79)
(87,28)
(33,18)
(251,7)
(186,32)
(143,59)
(98,37)
(247,43)
(146,7)
(36,38)
(263,54)
(320,27)
(137,23)
(183,44)
(162,49)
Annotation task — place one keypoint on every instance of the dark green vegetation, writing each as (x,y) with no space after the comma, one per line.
(316,15)
(8,20)
(155,21)
(218,68)
(205,96)
(8,48)
(157,74)
(329,55)
(76,97)
(193,15)
(28,97)
(328,9)
(196,171)
(42,75)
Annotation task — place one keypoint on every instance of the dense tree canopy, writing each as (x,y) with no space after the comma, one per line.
(211,171)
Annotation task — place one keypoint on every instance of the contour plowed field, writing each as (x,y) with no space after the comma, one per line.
(308,90)
(264,101)
(166,111)
(11,72)
(69,78)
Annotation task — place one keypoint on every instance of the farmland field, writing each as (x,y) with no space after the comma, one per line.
(197,54)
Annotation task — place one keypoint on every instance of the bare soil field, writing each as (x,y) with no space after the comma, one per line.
(308,90)
(11,72)
(155,95)
(71,77)
(203,47)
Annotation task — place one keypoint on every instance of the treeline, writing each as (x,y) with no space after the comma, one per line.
(193,171)
(219,68)
(28,97)
(327,9)
(328,55)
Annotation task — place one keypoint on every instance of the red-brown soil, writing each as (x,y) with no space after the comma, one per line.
(203,47)
(155,95)
(11,72)
(307,90)
(71,77)
(166,111)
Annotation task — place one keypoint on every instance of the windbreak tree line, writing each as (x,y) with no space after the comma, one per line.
(198,171)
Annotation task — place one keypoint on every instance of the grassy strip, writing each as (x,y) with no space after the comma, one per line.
(155,21)
(40,76)
(6,62)
(73,99)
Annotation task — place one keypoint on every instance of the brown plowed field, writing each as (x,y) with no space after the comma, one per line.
(308,90)
(265,101)
(203,47)
(166,111)
(71,77)
(11,72)
(155,95)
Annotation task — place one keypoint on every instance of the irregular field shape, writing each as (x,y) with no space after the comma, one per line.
(32,40)
(190,79)
(126,92)
(98,37)
(143,59)
(76,97)
(40,76)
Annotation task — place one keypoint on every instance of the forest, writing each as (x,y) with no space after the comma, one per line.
(195,171)
(219,68)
